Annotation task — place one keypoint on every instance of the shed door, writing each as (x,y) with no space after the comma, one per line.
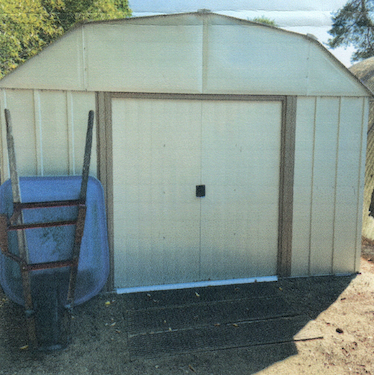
(240,167)
(162,149)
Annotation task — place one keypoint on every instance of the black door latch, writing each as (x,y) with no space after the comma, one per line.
(200,191)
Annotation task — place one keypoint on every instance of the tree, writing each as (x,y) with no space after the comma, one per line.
(27,26)
(264,20)
(353,25)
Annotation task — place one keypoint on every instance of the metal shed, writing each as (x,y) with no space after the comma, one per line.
(227,149)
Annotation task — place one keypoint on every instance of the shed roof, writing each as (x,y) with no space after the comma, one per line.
(198,52)
(364,70)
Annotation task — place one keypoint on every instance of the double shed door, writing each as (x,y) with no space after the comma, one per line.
(163,149)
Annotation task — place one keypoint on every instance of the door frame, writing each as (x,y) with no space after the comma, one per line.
(286,173)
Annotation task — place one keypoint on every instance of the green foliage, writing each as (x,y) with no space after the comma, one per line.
(27,26)
(353,25)
(73,11)
(265,20)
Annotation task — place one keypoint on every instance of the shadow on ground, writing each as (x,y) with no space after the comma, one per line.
(226,317)
(255,324)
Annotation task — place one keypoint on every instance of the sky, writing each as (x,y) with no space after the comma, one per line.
(302,16)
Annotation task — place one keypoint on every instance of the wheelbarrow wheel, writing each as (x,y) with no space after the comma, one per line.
(51,317)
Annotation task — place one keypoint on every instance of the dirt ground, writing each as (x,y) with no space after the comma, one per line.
(338,339)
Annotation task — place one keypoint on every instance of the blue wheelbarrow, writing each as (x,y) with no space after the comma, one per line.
(54,246)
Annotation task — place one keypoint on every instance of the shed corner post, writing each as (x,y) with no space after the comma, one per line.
(105,166)
(286,186)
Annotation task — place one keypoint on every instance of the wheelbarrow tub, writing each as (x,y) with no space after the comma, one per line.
(56,243)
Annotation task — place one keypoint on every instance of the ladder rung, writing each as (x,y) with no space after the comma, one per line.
(41,225)
(28,205)
(49,265)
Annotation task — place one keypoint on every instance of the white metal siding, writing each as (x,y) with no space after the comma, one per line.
(60,66)
(144,58)
(21,105)
(162,149)
(327,76)
(328,185)
(237,57)
(201,54)
(349,182)
(49,130)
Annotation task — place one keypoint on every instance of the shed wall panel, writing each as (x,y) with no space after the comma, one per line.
(233,68)
(21,106)
(303,177)
(330,143)
(54,131)
(144,58)
(79,104)
(323,185)
(60,66)
(327,76)
(49,130)
(348,184)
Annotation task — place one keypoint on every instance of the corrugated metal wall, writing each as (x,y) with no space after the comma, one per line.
(49,129)
(328,185)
